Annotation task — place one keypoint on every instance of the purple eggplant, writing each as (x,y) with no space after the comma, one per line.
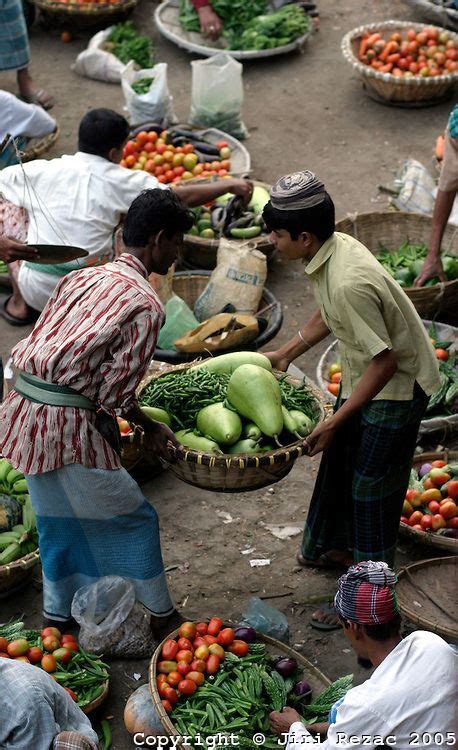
(246,634)
(286,666)
(424,469)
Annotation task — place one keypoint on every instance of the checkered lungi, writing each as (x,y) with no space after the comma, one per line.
(14,42)
(362,481)
(73,741)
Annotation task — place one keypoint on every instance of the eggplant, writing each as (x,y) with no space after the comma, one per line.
(179,141)
(188,134)
(204,157)
(217,214)
(246,634)
(286,666)
(146,126)
(206,148)
(450,533)
(244,221)
(424,469)
(302,688)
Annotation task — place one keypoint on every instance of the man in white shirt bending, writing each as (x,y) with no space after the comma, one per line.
(78,200)
(410,699)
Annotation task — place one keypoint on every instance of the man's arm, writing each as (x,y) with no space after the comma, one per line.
(11,250)
(314,331)
(197,195)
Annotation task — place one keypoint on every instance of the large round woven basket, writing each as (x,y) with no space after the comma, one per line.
(85,14)
(436,12)
(36,147)
(426,537)
(389,89)
(237,473)
(317,680)
(189,285)
(446,425)
(15,575)
(426,594)
(390,229)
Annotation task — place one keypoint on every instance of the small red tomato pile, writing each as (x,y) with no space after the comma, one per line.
(57,649)
(431,504)
(427,53)
(192,657)
(335,376)
(155,153)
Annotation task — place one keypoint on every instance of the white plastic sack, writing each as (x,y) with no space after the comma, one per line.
(154,106)
(217,94)
(95,62)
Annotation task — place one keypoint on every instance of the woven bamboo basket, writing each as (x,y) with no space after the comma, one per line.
(16,574)
(98,701)
(388,89)
(39,146)
(235,473)
(318,681)
(390,229)
(427,537)
(85,14)
(426,594)
(199,252)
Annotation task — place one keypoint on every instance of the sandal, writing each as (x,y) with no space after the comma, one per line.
(13,320)
(328,611)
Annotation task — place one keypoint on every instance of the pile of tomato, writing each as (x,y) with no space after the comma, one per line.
(192,657)
(334,376)
(151,152)
(427,53)
(435,508)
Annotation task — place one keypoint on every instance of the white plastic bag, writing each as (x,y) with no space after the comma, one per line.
(154,106)
(95,62)
(217,94)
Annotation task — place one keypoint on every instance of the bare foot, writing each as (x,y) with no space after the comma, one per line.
(326,618)
(334,558)
(31,92)
(16,307)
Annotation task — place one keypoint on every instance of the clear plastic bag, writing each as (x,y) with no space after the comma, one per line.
(266,619)
(217,94)
(111,621)
(156,105)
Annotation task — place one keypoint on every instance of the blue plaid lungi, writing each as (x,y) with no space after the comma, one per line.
(93,523)
(362,481)
(14,42)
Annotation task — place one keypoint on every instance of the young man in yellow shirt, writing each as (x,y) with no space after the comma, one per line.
(389,371)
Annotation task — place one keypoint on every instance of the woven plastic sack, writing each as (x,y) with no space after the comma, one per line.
(266,619)
(156,105)
(217,94)
(95,62)
(111,621)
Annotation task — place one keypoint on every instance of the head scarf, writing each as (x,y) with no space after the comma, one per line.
(366,595)
(297,191)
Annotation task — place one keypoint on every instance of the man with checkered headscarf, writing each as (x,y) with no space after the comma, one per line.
(410,697)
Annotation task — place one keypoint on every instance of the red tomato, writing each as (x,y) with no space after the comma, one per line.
(417,527)
(404,520)
(239,648)
(4,655)
(197,677)
(188,148)
(200,641)
(218,650)
(407,509)
(438,522)
(150,166)
(50,643)
(202,653)
(452,523)
(174,678)
(336,378)
(152,136)
(71,645)
(411,34)
(198,665)
(438,464)
(48,663)
(442,354)
(71,694)
(185,656)
(452,489)
(130,148)
(422,38)
(162,688)
(201,627)
(68,637)
(212,664)
(170,650)
(448,510)
(161,678)
(162,179)
(434,506)
(184,644)
(183,668)
(222,144)
(3,644)
(167,706)
(226,636)
(187,687)
(214,626)
(149,147)
(413,67)
(414,519)
(130,161)
(171,695)
(426,522)
(34,655)
(414,498)
(208,640)
(169,175)
(51,631)
(62,655)
(160,148)
(168,666)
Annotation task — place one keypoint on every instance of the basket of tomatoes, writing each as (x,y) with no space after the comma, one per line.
(404,64)
(430,512)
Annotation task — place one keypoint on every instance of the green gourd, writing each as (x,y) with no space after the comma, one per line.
(256,395)
(197,442)
(304,425)
(220,424)
(159,415)
(228,363)
(288,422)
(251,430)
(245,446)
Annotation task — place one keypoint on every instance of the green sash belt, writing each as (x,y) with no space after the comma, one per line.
(41,392)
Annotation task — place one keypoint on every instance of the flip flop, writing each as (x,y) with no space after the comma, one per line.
(38,98)
(13,320)
(323,561)
(327,609)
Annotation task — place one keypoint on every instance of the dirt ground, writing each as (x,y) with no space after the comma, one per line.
(302,111)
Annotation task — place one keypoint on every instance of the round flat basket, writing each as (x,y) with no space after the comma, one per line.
(189,285)
(317,680)
(425,537)
(426,594)
(85,14)
(436,12)
(446,424)
(243,472)
(390,229)
(17,574)
(387,88)
(36,147)
(167,21)
(98,701)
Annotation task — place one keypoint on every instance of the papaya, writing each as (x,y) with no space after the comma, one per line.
(227,363)
(304,425)
(197,442)
(256,395)
(159,415)
(245,446)
(220,424)
(251,430)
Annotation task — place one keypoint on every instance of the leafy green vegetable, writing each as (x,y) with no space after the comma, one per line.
(126,45)
(406,264)
(272,30)
(3,267)
(143,85)
(234,14)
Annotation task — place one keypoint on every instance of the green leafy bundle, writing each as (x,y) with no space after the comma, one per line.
(272,30)
(126,45)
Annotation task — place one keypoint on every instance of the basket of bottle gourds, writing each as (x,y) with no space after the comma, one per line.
(240,425)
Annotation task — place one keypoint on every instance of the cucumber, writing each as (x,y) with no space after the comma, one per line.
(247,233)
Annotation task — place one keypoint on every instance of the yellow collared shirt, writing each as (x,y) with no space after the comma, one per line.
(368,312)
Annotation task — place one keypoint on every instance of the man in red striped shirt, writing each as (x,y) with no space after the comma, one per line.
(85,358)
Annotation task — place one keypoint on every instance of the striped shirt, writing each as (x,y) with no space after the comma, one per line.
(97,334)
